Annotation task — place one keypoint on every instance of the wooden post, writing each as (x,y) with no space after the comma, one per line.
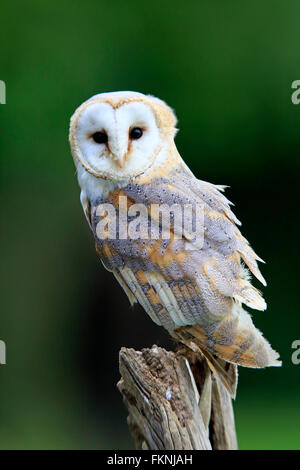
(174,402)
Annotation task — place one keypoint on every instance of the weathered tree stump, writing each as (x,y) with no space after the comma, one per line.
(174,402)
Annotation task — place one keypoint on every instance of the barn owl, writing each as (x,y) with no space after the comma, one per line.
(123,146)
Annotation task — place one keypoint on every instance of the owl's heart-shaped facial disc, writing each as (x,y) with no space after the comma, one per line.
(119,136)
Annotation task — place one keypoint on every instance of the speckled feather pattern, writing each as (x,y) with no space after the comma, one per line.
(203,287)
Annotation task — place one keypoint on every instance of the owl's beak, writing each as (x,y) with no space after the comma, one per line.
(121,160)
(119,152)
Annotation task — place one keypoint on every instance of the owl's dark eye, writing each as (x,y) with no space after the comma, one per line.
(100,137)
(136,133)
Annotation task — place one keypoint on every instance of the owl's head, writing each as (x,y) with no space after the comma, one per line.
(119,135)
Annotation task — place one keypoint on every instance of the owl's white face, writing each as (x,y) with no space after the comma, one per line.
(116,142)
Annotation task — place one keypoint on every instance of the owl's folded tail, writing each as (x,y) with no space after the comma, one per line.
(234,340)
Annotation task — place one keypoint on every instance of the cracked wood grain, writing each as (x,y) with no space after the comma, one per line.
(173,401)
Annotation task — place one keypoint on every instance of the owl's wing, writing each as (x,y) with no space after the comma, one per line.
(224,241)
(195,293)
(220,261)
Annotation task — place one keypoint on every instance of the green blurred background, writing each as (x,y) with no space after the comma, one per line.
(226,67)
